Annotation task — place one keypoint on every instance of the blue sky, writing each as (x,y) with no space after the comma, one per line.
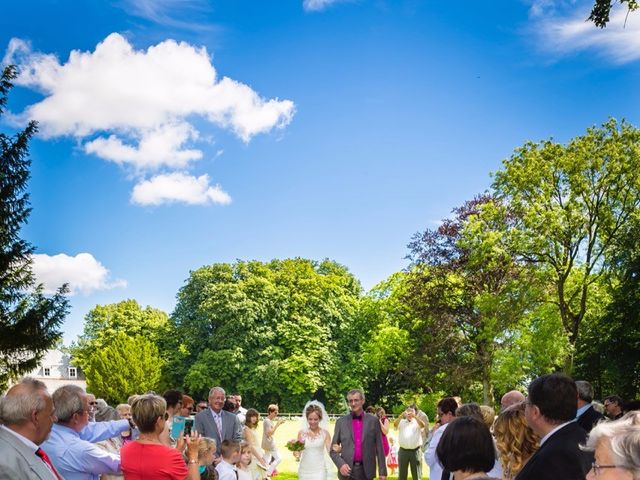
(180,133)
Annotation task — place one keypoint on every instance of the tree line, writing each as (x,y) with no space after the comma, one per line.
(537,274)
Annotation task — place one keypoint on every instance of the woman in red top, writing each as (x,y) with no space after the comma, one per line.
(148,458)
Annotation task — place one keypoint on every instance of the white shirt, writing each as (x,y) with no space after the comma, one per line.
(226,471)
(435,467)
(546,437)
(409,435)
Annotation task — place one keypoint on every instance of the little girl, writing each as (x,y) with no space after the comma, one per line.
(392,458)
(244,472)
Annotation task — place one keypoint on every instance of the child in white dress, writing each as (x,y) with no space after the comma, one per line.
(244,471)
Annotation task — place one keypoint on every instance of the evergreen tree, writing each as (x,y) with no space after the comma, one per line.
(126,365)
(29,320)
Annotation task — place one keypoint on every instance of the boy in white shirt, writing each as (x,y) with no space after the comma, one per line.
(230,452)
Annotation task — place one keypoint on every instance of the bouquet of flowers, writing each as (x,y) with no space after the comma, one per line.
(295,446)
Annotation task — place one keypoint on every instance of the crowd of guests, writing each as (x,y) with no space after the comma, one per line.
(555,432)
(69,435)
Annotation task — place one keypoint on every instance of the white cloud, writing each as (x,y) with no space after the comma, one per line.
(570,33)
(119,88)
(168,12)
(137,107)
(83,273)
(178,187)
(542,7)
(317,5)
(156,147)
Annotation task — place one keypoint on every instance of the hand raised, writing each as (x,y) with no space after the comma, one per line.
(193,441)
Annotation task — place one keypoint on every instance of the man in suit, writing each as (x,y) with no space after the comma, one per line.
(587,416)
(357,443)
(550,411)
(613,407)
(27,414)
(216,423)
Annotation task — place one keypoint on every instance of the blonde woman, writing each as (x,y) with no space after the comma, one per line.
(516,442)
(148,458)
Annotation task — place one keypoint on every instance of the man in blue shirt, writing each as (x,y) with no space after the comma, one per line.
(71,442)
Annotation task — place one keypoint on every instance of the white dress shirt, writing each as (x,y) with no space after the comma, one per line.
(226,471)
(409,435)
(430,456)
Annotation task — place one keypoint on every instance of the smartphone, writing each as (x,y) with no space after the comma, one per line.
(188,425)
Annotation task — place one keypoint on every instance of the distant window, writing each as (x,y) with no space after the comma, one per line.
(72,372)
(47,372)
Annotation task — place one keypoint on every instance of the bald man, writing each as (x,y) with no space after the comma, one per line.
(511,398)
(27,414)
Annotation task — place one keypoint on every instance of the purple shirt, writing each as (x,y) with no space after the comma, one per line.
(356,424)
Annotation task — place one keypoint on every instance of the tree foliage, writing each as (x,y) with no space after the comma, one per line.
(616,327)
(387,371)
(122,367)
(29,320)
(467,294)
(103,322)
(602,10)
(280,331)
(570,203)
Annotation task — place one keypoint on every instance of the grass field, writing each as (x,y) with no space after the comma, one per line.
(289,467)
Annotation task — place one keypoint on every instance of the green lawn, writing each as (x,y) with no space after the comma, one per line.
(287,470)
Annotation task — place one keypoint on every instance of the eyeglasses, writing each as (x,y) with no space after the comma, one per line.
(597,468)
(166,416)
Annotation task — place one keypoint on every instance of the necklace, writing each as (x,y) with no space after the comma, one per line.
(313,435)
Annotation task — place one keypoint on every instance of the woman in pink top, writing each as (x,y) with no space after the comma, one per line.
(148,458)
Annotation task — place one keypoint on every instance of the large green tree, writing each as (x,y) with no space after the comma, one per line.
(466,294)
(124,366)
(387,372)
(278,331)
(570,203)
(104,328)
(29,320)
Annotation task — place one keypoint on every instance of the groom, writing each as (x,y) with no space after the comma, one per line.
(357,443)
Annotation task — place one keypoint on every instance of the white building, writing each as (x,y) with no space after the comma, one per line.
(57,369)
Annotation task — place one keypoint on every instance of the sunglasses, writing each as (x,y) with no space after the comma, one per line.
(166,416)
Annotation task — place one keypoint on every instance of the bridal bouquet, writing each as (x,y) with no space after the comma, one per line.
(296,447)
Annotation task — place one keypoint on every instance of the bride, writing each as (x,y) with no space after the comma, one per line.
(314,462)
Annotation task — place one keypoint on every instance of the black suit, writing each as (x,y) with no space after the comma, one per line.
(589,419)
(559,458)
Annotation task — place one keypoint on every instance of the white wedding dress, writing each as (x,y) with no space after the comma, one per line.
(315,463)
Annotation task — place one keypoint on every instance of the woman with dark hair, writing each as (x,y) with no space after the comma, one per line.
(466,449)
(258,466)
